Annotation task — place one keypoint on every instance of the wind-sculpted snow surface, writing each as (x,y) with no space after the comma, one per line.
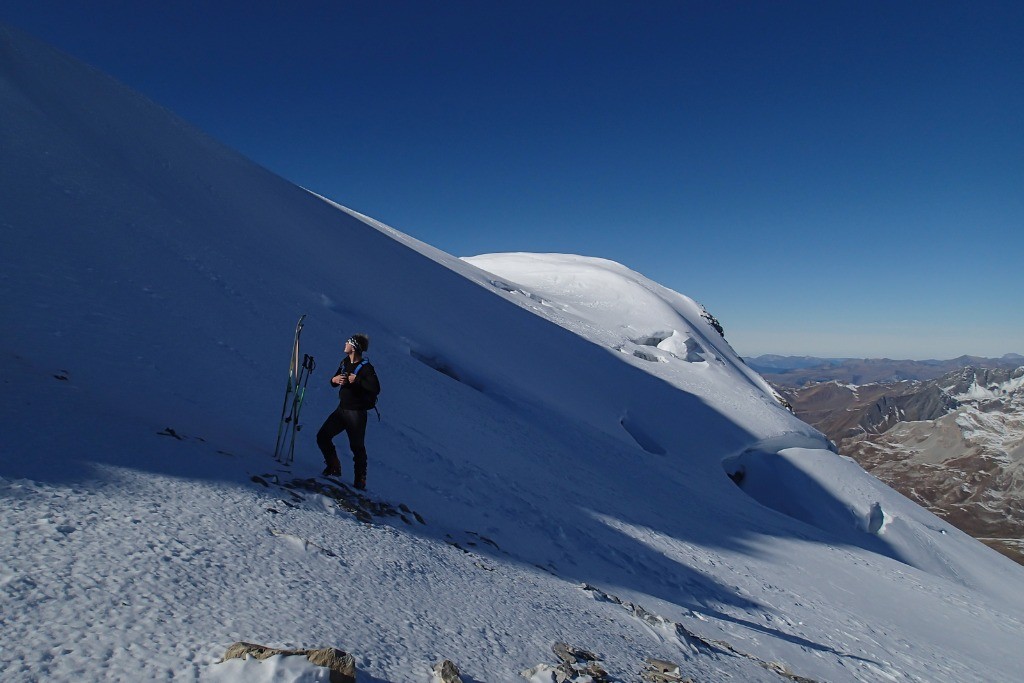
(150,283)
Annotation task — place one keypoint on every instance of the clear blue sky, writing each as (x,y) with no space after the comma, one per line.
(828,178)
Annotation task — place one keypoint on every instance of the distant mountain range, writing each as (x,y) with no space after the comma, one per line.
(797,371)
(954,444)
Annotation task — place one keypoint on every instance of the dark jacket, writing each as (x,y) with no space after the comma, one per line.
(361,394)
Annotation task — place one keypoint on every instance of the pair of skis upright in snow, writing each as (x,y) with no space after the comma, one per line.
(295,391)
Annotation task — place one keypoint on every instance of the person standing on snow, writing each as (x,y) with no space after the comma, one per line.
(358,388)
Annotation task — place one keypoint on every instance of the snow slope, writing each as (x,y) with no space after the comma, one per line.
(568,491)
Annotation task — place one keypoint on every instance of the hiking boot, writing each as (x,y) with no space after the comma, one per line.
(360,483)
(330,471)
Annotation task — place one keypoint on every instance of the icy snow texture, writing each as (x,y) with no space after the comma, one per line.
(151,278)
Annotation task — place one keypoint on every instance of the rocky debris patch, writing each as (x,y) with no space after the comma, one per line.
(661,671)
(342,666)
(478,561)
(713,321)
(695,643)
(366,510)
(361,506)
(446,672)
(575,666)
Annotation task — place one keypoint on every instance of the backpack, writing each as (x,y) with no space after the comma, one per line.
(355,371)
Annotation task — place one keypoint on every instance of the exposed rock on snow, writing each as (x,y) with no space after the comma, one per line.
(342,666)
(694,645)
(446,672)
(661,671)
(576,666)
(362,506)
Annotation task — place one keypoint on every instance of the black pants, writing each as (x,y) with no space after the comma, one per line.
(352,422)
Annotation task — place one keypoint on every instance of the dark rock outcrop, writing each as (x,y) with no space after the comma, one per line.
(446,672)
